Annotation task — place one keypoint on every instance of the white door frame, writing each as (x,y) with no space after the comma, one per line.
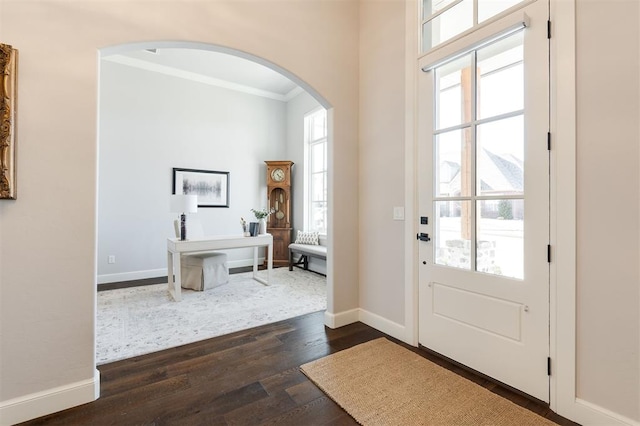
(563,209)
(563,202)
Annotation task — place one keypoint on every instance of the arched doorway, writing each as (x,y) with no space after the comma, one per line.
(164,146)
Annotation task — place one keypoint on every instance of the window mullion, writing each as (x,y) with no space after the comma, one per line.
(466,159)
(472,17)
(475,13)
(474,174)
(441,11)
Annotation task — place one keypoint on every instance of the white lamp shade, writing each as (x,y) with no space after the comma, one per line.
(184,203)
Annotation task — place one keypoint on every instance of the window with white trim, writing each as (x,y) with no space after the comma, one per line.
(315,194)
(443,20)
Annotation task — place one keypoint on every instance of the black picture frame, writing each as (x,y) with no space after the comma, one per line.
(211,187)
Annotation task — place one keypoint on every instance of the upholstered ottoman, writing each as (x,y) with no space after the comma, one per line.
(203,271)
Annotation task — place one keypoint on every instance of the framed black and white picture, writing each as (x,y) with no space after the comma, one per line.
(211,187)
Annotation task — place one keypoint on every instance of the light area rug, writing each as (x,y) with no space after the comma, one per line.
(140,320)
(382,383)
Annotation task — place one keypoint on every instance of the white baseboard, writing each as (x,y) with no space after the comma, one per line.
(373,320)
(153,273)
(391,328)
(38,404)
(130,276)
(587,414)
(341,319)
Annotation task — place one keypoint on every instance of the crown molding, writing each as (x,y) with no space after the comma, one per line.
(200,78)
(293,93)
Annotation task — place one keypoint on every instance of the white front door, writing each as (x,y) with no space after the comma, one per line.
(484,203)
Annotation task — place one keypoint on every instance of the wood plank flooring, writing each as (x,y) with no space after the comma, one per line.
(246,378)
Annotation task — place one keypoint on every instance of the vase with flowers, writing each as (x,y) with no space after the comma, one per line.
(261,216)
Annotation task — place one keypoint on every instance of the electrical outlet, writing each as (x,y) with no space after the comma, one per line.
(112,259)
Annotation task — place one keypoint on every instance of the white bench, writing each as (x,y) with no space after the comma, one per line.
(306,251)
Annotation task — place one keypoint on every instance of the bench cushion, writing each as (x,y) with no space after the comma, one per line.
(320,251)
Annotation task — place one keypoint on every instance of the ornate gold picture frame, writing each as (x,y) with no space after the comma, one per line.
(8,71)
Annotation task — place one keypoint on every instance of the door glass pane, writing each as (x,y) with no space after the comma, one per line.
(453,163)
(453,233)
(500,231)
(453,93)
(489,8)
(501,77)
(447,25)
(500,157)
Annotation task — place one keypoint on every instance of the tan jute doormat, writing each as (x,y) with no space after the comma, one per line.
(382,383)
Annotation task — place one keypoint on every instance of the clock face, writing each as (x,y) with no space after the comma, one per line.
(277,175)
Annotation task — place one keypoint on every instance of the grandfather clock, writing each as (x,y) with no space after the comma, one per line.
(279,200)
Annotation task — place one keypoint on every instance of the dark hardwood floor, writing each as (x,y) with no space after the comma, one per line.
(246,378)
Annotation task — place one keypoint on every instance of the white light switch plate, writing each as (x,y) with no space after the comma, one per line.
(398,213)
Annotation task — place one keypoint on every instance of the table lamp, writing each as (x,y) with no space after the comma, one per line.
(184,204)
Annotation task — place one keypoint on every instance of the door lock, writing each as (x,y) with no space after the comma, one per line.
(423,237)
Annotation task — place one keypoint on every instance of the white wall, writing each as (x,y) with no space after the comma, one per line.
(381,157)
(296,110)
(150,123)
(608,201)
(47,312)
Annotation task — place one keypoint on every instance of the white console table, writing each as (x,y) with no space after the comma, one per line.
(175,248)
